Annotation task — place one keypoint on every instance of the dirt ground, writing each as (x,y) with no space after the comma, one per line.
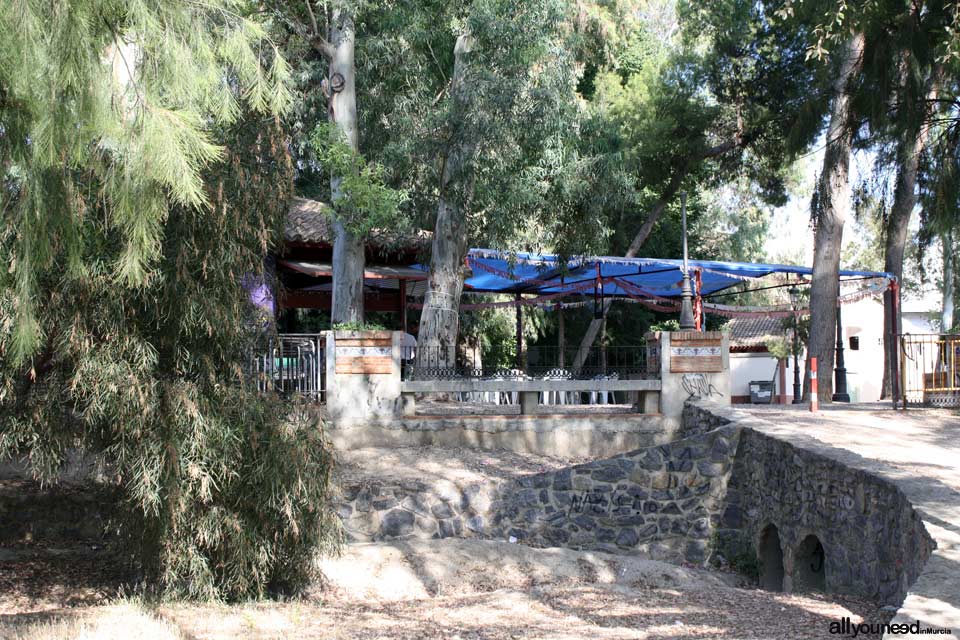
(458,589)
(431,589)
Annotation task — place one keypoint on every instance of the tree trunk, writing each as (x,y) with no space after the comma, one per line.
(440,320)
(898,223)
(909,149)
(348,257)
(834,204)
(949,289)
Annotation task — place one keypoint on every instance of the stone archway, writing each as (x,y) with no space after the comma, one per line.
(770,554)
(810,566)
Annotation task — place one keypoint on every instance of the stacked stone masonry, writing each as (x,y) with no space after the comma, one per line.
(683,501)
(873,542)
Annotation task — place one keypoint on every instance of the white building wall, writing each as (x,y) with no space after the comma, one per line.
(747,367)
(864,320)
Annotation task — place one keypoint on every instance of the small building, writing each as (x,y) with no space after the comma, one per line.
(750,360)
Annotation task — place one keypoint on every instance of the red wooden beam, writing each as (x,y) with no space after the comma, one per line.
(388,301)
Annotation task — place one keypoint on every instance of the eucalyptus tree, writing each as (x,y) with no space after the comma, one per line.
(145,175)
(829,211)
(329,30)
(511,99)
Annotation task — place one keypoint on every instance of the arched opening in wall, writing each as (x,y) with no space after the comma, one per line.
(771,559)
(810,566)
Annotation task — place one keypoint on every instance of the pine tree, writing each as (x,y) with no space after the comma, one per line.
(146,175)
(106,104)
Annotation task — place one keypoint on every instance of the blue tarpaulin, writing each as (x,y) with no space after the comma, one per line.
(499,272)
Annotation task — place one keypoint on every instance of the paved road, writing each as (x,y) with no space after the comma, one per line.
(919,450)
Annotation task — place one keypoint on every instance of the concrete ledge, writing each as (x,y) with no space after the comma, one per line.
(596,435)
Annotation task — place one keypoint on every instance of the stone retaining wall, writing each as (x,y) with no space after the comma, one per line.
(663,501)
(722,485)
(874,543)
(384,510)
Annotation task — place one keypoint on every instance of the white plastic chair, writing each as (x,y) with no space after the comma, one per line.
(603,397)
(556,397)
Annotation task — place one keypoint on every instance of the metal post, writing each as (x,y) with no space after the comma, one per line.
(814,392)
(687,322)
(794,299)
(561,336)
(519,297)
(402,286)
(895,385)
(796,370)
(840,372)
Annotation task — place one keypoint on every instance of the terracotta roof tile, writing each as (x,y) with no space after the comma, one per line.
(754,332)
(308,221)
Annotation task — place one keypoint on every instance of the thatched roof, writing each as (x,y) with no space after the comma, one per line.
(309,222)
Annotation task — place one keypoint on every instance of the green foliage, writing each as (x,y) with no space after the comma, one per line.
(225,489)
(105,110)
(666,325)
(365,202)
(493,331)
(737,553)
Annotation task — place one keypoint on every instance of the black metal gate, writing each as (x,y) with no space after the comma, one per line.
(930,369)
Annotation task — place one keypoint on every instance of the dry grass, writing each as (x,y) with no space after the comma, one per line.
(118,622)
(473,590)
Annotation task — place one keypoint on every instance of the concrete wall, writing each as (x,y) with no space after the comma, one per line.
(569,436)
(745,367)
(363,398)
(676,387)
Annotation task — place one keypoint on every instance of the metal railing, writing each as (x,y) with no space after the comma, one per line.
(292,363)
(930,369)
(443,363)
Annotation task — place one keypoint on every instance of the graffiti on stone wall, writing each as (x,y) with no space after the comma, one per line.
(698,385)
(607,503)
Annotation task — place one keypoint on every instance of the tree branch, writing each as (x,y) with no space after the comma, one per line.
(318,42)
(313,18)
(311,35)
(739,140)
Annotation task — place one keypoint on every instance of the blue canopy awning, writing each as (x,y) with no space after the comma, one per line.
(500,272)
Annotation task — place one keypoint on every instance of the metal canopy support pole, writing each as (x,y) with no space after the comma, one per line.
(519,297)
(561,338)
(840,371)
(403,304)
(686,296)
